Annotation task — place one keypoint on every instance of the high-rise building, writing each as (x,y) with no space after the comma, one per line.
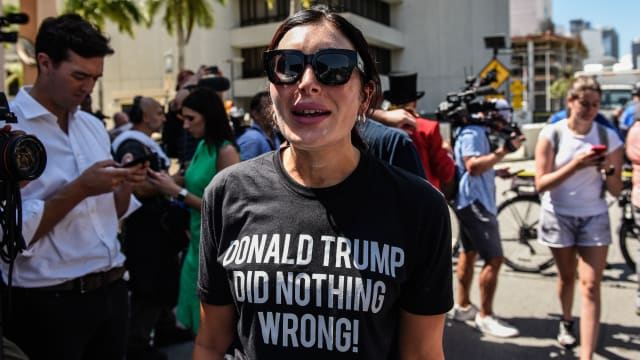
(610,42)
(528,16)
(538,60)
(577,25)
(635,53)
(602,43)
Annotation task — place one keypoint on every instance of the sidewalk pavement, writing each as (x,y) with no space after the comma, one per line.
(529,302)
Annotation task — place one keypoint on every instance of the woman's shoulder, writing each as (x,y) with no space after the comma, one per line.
(549,129)
(251,169)
(388,177)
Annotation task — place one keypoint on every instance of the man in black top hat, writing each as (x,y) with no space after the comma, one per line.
(434,153)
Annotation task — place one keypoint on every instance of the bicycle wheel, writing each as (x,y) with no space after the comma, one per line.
(518,220)
(629,244)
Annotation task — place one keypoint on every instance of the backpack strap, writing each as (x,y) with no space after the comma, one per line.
(556,140)
(602,136)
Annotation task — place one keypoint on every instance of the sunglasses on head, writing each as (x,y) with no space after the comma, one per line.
(330,66)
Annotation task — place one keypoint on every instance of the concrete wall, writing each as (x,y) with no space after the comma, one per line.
(138,66)
(445,42)
(442,40)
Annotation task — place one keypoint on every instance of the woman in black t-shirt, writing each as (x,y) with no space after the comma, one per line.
(318,250)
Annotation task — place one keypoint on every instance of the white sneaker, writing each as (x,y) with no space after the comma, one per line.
(492,326)
(464,313)
(565,336)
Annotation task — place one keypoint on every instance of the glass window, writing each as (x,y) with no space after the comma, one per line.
(252,65)
(254,12)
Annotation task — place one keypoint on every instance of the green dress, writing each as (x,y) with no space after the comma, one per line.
(197,177)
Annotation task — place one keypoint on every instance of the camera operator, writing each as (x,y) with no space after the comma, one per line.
(476,212)
(70,299)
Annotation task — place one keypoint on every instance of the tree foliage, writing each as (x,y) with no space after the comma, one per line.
(182,16)
(124,13)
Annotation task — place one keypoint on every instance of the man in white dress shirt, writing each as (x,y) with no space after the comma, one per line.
(69,300)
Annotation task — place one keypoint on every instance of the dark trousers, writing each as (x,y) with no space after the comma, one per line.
(68,325)
(147,316)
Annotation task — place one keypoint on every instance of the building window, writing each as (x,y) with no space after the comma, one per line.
(252,66)
(382,58)
(253,12)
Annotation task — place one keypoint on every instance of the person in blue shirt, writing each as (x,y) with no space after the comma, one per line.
(261,137)
(626,120)
(475,208)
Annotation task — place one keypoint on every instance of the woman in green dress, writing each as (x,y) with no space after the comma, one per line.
(205,118)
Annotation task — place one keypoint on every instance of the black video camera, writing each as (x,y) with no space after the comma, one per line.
(464,108)
(459,107)
(23,156)
(9,19)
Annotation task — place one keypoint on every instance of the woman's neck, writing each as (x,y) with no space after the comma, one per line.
(319,169)
(579,126)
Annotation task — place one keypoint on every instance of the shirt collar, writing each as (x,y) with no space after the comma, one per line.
(31,108)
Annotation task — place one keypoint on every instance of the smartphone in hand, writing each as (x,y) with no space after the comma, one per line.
(599,150)
(139,160)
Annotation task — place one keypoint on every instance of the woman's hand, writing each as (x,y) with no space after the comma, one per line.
(588,158)
(163,182)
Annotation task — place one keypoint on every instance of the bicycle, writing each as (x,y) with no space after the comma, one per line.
(629,231)
(521,250)
(518,218)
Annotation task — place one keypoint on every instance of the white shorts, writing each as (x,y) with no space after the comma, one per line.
(560,231)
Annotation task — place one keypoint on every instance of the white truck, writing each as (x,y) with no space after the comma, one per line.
(616,86)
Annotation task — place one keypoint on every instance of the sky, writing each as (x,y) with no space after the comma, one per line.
(623,15)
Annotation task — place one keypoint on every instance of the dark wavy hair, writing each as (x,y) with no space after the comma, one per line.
(322,13)
(216,122)
(58,35)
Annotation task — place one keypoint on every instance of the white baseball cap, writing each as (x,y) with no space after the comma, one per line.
(503,107)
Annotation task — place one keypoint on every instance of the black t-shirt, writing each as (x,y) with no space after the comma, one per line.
(323,273)
(393,146)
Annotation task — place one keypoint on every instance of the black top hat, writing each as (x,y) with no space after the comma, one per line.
(402,88)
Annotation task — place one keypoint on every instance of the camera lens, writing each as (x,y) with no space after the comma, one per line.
(24,158)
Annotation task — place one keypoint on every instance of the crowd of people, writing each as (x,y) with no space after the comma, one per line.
(316,229)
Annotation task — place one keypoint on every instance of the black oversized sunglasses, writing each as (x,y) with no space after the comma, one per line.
(330,66)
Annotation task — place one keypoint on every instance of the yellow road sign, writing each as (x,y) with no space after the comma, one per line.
(502,73)
(516,87)
(516,102)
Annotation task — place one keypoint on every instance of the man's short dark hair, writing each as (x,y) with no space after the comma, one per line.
(256,101)
(66,32)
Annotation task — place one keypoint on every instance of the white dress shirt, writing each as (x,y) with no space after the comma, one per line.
(85,240)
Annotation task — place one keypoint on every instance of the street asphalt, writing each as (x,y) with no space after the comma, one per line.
(529,302)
